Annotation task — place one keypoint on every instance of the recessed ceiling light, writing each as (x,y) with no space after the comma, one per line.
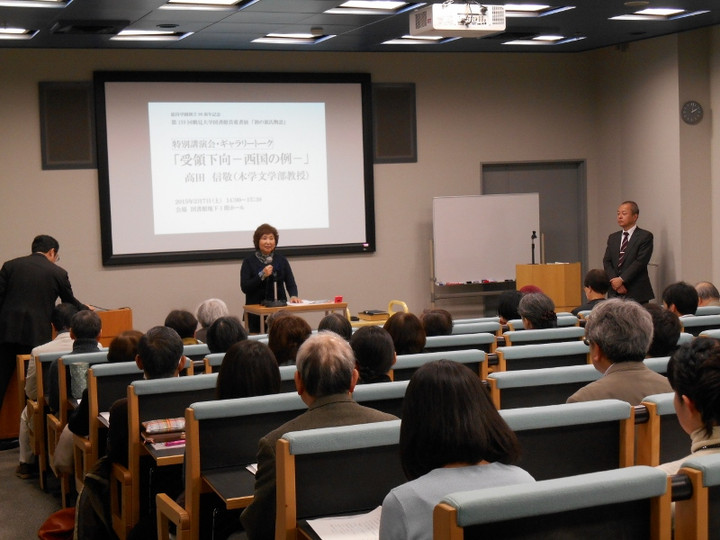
(208,5)
(658,14)
(419,40)
(150,35)
(533,10)
(373,7)
(35,3)
(545,39)
(17,33)
(293,39)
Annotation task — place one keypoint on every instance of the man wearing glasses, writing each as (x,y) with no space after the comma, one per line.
(29,288)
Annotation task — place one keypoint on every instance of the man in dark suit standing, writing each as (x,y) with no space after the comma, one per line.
(627,256)
(29,288)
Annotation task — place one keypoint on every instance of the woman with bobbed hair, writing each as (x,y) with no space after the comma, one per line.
(407,333)
(694,374)
(263,270)
(537,311)
(287,333)
(248,369)
(451,439)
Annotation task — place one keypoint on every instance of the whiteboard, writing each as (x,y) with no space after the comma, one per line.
(483,237)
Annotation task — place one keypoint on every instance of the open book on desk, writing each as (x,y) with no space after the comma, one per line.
(356,527)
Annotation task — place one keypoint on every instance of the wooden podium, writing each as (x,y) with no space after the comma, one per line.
(561,282)
(114,322)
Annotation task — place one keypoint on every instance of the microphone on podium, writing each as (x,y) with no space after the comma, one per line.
(274,302)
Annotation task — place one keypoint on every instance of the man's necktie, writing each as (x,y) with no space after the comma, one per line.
(623,247)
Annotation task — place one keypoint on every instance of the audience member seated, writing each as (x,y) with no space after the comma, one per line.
(537,311)
(681,298)
(184,323)
(374,354)
(123,348)
(694,374)
(708,294)
(666,331)
(325,379)
(338,324)
(596,285)
(159,355)
(451,439)
(225,332)
(60,319)
(286,334)
(619,334)
(508,306)
(248,369)
(437,322)
(407,333)
(207,313)
(85,328)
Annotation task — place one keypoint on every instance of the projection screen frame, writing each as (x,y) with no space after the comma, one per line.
(110,258)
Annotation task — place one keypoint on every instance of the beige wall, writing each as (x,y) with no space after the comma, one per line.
(616,110)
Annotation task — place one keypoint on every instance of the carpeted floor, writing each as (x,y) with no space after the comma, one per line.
(23,505)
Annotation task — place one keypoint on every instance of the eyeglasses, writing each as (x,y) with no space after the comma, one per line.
(586,341)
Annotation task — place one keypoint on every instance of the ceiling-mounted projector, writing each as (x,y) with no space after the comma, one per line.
(469,19)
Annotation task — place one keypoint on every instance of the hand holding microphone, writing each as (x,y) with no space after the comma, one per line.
(268,270)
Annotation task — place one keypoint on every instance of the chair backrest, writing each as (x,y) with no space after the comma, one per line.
(221,439)
(633,502)
(407,364)
(213,361)
(697,324)
(569,353)
(573,438)
(71,367)
(156,399)
(481,340)
(42,368)
(287,378)
(395,306)
(492,327)
(563,319)
(699,516)
(711,333)
(385,396)
(197,351)
(686,337)
(108,382)
(535,387)
(544,335)
(707,310)
(658,364)
(583,314)
(332,471)
(661,439)
(469,320)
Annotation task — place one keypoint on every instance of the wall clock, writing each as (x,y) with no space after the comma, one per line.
(691,112)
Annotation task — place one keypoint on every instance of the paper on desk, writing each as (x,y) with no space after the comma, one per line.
(310,302)
(252,468)
(358,527)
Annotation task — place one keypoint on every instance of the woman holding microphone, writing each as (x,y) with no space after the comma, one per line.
(265,272)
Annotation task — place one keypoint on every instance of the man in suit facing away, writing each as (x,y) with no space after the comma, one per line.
(29,287)
(627,256)
(325,379)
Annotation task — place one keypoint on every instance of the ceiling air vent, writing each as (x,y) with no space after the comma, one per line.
(86,28)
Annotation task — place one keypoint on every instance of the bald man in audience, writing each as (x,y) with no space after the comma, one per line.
(619,333)
(708,294)
(325,379)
